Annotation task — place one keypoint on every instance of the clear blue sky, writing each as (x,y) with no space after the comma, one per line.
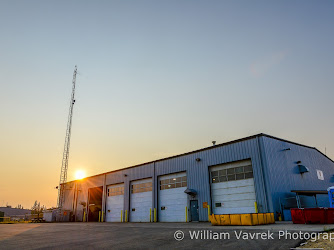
(156,78)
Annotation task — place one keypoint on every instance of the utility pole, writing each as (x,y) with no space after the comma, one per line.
(64,165)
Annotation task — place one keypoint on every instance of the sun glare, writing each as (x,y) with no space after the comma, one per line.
(79,174)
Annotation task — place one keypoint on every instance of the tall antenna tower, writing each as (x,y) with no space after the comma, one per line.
(66,153)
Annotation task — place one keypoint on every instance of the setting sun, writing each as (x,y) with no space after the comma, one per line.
(79,174)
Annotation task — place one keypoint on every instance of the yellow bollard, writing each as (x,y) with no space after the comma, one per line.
(186,214)
(126,215)
(209,213)
(102,217)
(84,217)
(121,215)
(150,214)
(256,209)
(99,216)
(155,215)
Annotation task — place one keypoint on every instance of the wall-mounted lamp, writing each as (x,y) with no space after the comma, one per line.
(303,169)
(286,149)
(198,159)
(190,192)
(125,175)
(298,162)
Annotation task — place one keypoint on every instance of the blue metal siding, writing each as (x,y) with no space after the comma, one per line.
(275,172)
(265,174)
(198,172)
(283,173)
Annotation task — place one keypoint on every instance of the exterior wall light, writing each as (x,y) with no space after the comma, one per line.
(198,159)
(190,192)
(303,169)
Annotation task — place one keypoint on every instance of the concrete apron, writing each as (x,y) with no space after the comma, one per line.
(289,226)
(278,226)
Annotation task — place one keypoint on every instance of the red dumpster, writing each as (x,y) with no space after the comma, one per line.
(297,215)
(329,215)
(315,215)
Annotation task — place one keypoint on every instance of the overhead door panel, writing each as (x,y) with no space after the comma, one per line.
(115,202)
(172,200)
(141,200)
(232,188)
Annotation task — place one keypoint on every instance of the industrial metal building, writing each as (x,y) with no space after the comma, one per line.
(260,173)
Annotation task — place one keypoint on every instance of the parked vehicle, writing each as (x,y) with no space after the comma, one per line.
(36,218)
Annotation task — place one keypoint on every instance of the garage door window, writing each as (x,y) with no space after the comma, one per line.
(232,174)
(142,187)
(115,191)
(173,183)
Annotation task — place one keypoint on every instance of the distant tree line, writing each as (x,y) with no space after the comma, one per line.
(19,206)
(37,208)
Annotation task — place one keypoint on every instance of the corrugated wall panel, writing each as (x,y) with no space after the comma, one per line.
(283,170)
(197,172)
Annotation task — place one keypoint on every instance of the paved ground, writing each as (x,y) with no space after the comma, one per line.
(149,236)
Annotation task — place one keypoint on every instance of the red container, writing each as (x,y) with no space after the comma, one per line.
(329,215)
(297,215)
(315,215)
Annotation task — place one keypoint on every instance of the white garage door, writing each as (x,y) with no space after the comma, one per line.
(172,200)
(115,201)
(141,200)
(232,188)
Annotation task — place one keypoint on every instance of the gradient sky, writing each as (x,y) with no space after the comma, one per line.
(156,78)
